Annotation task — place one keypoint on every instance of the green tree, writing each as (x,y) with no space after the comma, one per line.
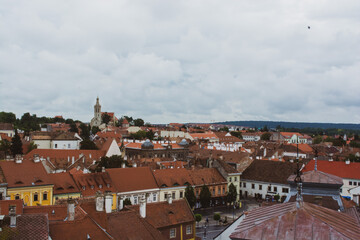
(5,146)
(265,136)
(87,144)
(318,139)
(265,128)
(16,144)
(85,131)
(31,147)
(277,197)
(139,135)
(139,122)
(73,128)
(106,118)
(190,195)
(236,134)
(198,218)
(7,117)
(217,217)
(95,129)
(224,129)
(205,196)
(232,194)
(114,161)
(150,135)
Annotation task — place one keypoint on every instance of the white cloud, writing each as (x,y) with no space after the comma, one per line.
(182,61)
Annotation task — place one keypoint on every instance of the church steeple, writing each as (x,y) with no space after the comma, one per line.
(96,121)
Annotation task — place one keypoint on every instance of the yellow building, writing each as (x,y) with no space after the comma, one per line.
(27,180)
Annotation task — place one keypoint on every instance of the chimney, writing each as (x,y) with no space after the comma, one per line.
(108,202)
(134,165)
(143,206)
(169,200)
(71,210)
(72,160)
(347,162)
(123,165)
(36,158)
(99,202)
(18,158)
(103,169)
(121,204)
(12,214)
(68,159)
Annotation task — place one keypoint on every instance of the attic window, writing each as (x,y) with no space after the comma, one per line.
(92,186)
(71,187)
(19,182)
(164,185)
(171,212)
(83,187)
(38,181)
(176,184)
(108,185)
(60,188)
(100,186)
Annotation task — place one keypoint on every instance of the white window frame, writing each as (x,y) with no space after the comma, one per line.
(173,233)
(189,229)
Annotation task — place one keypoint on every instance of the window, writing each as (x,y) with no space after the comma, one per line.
(230,179)
(219,190)
(244,184)
(223,191)
(285,190)
(350,183)
(275,189)
(135,200)
(36,197)
(69,145)
(252,186)
(181,194)
(269,188)
(154,197)
(260,187)
(173,195)
(55,145)
(213,191)
(173,233)
(165,196)
(45,196)
(17,197)
(235,179)
(188,229)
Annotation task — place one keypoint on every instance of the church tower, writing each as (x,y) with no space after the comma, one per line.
(96,121)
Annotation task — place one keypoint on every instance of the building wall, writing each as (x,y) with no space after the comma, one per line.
(180,231)
(253,187)
(2,193)
(27,194)
(10,133)
(346,186)
(65,196)
(180,154)
(152,196)
(42,144)
(174,191)
(235,179)
(65,144)
(173,134)
(217,191)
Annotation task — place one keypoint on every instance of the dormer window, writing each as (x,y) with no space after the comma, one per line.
(92,186)
(83,187)
(19,182)
(100,186)
(108,185)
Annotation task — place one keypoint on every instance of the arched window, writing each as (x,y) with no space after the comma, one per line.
(17,196)
(45,196)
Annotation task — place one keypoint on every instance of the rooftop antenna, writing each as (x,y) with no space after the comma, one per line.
(298,178)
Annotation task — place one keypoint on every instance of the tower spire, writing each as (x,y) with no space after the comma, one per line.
(298,178)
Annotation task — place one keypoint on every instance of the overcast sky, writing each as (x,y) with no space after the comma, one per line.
(182,61)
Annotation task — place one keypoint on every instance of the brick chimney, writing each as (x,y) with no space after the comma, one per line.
(12,214)
(142,206)
(169,200)
(99,202)
(71,209)
(121,203)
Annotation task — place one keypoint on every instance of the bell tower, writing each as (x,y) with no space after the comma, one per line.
(96,121)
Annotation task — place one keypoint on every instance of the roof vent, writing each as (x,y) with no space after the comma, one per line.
(347,162)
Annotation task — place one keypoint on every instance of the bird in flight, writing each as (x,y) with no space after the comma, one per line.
(308,27)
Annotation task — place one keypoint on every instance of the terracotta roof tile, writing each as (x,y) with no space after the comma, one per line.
(206,176)
(132,179)
(90,183)
(172,177)
(26,173)
(63,183)
(340,169)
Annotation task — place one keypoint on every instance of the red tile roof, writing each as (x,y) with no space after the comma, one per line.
(24,174)
(206,176)
(90,183)
(163,214)
(172,177)
(132,179)
(63,183)
(340,169)
(207,135)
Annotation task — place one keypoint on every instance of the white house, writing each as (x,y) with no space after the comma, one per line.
(55,140)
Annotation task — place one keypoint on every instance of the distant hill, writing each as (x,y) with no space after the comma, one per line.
(299,125)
